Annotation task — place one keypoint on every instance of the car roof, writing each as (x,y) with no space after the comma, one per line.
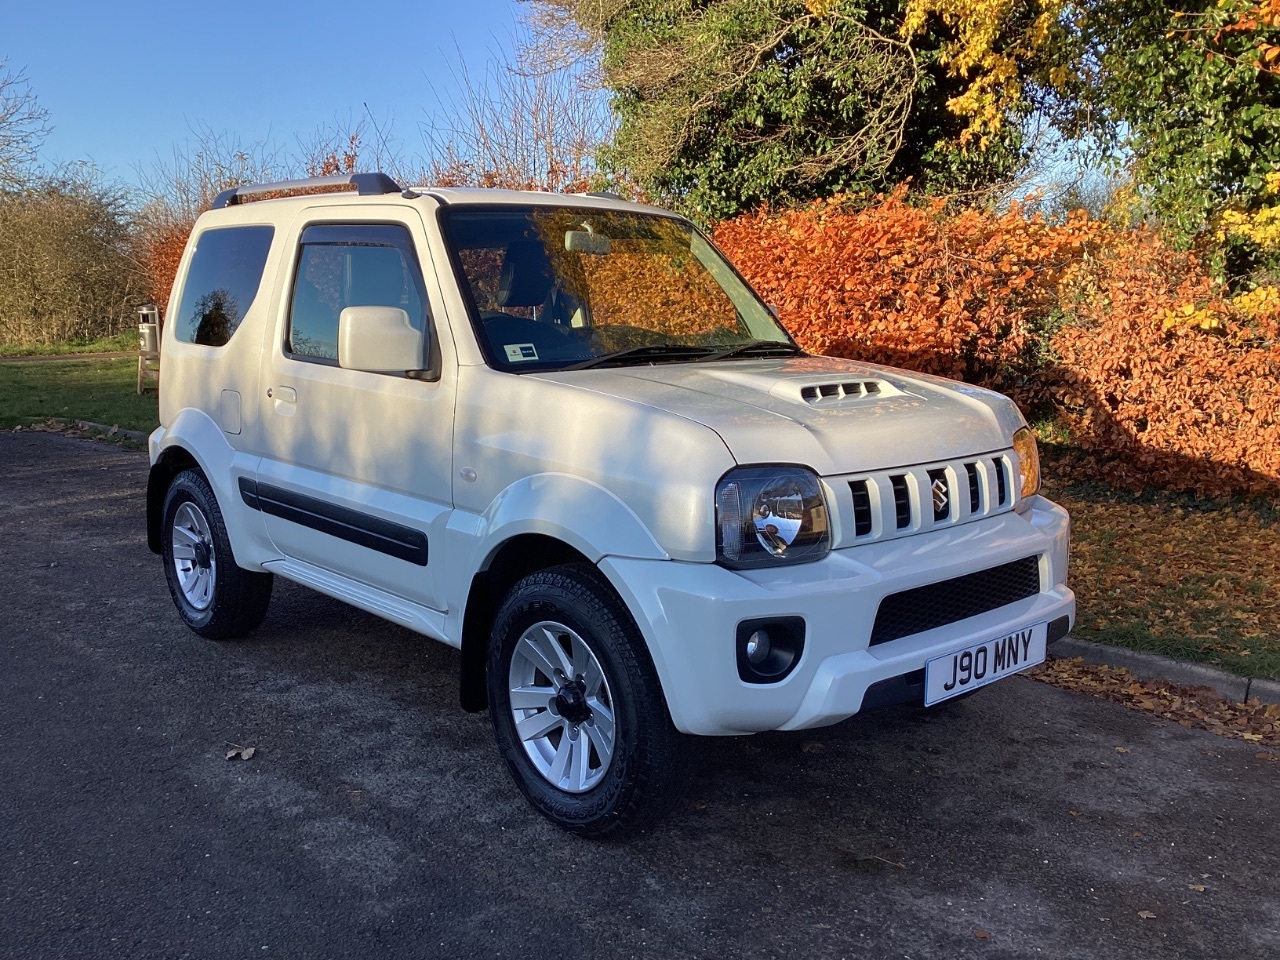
(271,200)
(488,196)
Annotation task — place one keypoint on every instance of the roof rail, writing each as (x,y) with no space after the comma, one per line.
(601,195)
(366,184)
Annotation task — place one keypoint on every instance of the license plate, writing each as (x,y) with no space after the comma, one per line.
(955,673)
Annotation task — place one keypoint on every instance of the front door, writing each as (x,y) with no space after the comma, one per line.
(355,474)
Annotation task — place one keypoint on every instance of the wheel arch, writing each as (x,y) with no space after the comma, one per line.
(171,462)
(538,522)
(507,563)
(195,441)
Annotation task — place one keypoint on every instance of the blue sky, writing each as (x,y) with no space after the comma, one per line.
(126,83)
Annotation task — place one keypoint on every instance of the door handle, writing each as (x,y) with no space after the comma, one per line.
(282,394)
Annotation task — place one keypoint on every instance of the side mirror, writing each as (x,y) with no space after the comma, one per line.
(379,340)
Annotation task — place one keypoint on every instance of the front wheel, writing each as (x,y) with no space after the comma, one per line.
(577,709)
(214,597)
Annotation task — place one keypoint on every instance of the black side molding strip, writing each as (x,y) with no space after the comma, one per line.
(393,539)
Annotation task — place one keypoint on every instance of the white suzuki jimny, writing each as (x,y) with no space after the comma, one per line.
(562,434)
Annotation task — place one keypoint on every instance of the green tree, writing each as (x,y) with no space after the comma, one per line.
(727,104)
(1182,92)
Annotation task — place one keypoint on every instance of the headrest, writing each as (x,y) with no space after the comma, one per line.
(377,277)
(526,275)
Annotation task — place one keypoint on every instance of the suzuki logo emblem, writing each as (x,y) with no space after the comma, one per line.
(939,489)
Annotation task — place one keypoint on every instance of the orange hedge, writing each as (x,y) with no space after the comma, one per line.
(1160,380)
(1164,377)
(955,295)
(160,250)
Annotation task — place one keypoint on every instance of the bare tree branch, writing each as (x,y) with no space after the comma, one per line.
(24,124)
(535,126)
(184,187)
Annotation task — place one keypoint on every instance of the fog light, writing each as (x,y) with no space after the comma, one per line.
(768,650)
(758,647)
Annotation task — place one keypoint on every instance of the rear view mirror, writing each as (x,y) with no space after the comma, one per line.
(379,340)
(584,241)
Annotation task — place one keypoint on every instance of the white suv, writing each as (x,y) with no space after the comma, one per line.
(562,434)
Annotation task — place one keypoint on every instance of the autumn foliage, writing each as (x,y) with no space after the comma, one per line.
(1160,378)
(950,294)
(158,255)
(1173,382)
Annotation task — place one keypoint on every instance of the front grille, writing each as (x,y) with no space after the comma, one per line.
(937,604)
(901,501)
(861,508)
(1002,489)
(975,491)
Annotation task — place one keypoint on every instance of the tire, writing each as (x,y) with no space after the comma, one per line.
(596,752)
(215,597)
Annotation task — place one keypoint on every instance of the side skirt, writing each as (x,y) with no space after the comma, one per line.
(413,616)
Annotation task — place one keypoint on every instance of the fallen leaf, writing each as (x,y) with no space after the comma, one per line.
(812,747)
(1189,706)
(1146,915)
(982,934)
(1197,887)
(241,753)
(1137,833)
(1074,813)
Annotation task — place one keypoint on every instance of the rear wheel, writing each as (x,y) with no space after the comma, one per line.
(577,709)
(214,597)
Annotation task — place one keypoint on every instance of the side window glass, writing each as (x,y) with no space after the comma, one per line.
(350,265)
(222,283)
(317,301)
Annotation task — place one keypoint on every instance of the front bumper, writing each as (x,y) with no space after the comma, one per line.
(689,613)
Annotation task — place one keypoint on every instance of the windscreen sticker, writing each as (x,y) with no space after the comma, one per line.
(521,351)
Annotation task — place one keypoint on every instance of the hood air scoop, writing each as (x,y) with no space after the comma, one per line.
(831,394)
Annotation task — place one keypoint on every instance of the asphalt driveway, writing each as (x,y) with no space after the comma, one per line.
(375,818)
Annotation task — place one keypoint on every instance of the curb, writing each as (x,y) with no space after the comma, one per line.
(1150,666)
(63,357)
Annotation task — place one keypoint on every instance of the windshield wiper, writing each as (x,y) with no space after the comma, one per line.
(652,353)
(757,348)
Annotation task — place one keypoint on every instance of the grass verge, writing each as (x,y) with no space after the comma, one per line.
(120,342)
(1195,580)
(100,391)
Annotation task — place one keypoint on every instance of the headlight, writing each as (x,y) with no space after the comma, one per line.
(770,515)
(1024,445)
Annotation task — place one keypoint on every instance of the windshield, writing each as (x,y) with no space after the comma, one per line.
(560,287)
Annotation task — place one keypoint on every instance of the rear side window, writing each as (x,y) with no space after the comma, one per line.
(222,282)
(350,265)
